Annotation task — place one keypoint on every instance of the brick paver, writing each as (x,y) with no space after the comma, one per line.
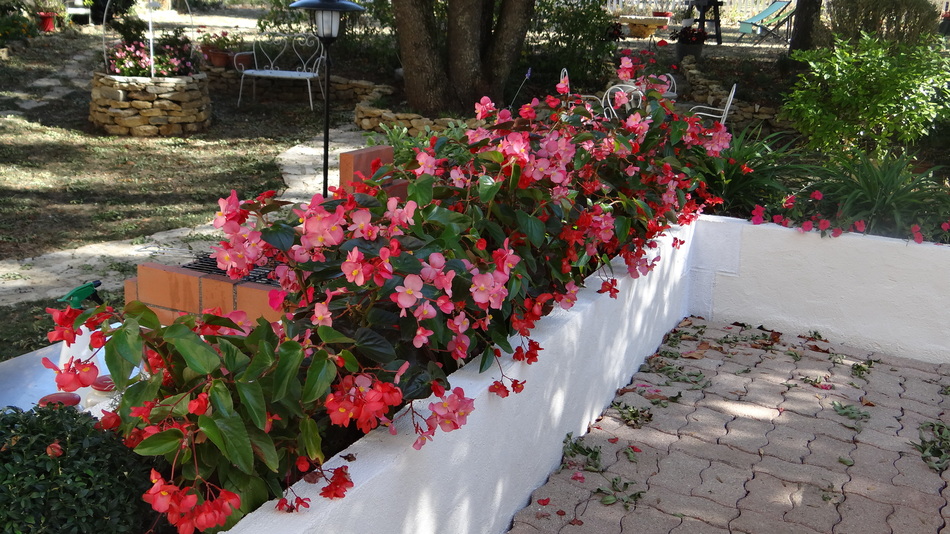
(772,437)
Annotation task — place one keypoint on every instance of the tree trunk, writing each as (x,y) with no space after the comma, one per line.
(423,67)
(806,18)
(479,58)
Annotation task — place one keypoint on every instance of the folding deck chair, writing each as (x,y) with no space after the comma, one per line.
(769,22)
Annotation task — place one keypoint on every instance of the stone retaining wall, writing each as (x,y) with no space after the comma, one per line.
(713,93)
(149,107)
(343,92)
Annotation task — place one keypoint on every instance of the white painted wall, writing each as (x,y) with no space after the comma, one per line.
(473,480)
(875,293)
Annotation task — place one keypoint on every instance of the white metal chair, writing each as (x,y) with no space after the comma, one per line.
(663,79)
(634,99)
(719,114)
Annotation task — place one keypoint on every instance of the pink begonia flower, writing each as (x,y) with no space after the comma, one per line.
(321,315)
(806,226)
(408,294)
(484,107)
(816,195)
(758,214)
(427,164)
(859,226)
(362,226)
(789,202)
(354,269)
(918,237)
(421,337)
(824,224)
(424,311)
(275,298)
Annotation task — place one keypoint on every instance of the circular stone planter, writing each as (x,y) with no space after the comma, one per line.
(150,107)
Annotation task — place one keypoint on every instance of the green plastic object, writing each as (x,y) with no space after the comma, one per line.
(88,290)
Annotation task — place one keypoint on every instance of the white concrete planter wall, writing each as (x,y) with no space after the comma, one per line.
(875,293)
(881,294)
(473,480)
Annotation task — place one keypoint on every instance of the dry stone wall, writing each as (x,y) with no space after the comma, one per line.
(741,114)
(150,107)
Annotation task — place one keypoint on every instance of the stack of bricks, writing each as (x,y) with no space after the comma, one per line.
(170,291)
(149,107)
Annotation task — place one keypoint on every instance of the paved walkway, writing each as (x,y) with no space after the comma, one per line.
(745,437)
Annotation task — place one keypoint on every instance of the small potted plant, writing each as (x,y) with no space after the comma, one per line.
(689,41)
(48,11)
(218,48)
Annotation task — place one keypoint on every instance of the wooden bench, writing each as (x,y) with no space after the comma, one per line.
(643,27)
(298,56)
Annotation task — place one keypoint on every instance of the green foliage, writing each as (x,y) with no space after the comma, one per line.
(94,486)
(905,21)
(16,27)
(885,193)
(631,416)
(934,445)
(869,94)
(749,172)
(130,29)
(117,8)
(572,35)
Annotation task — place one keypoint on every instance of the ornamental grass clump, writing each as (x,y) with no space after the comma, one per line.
(428,265)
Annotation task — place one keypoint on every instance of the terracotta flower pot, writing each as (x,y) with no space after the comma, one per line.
(219,58)
(47,22)
(688,49)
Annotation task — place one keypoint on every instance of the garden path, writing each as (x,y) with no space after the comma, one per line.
(744,437)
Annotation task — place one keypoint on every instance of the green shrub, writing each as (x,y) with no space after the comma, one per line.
(16,27)
(748,173)
(886,194)
(905,21)
(59,474)
(869,94)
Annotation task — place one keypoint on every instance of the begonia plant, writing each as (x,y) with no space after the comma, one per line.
(426,266)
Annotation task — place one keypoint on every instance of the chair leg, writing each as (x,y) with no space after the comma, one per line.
(240,91)
(310,93)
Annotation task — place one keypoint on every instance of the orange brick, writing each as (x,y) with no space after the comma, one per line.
(169,287)
(252,299)
(362,161)
(165,316)
(131,290)
(217,291)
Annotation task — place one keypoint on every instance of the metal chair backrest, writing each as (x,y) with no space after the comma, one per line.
(719,114)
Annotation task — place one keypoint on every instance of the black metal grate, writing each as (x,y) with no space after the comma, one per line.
(209,265)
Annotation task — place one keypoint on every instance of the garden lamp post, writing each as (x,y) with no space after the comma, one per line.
(325,16)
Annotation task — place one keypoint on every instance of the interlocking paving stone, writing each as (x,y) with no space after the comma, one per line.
(817,425)
(750,522)
(705,424)
(740,409)
(874,464)
(802,400)
(827,453)
(646,520)
(673,503)
(722,483)
(748,435)
(678,471)
(715,451)
(814,507)
(860,515)
(695,526)
(801,473)
(786,443)
(894,495)
(768,495)
(905,519)
(748,454)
